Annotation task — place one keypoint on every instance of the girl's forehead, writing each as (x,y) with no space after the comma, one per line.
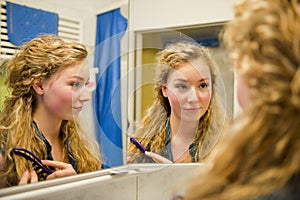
(192,71)
(78,68)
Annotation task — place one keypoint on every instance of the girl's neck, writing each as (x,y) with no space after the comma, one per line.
(49,128)
(182,136)
(183,129)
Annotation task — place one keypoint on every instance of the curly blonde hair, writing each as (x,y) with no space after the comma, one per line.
(260,154)
(37,60)
(152,131)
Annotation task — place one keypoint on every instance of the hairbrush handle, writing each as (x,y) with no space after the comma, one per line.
(138,144)
(36,162)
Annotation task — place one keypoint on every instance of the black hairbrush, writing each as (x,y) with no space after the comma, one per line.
(42,170)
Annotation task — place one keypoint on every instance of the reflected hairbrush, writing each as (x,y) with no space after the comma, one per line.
(42,170)
(138,144)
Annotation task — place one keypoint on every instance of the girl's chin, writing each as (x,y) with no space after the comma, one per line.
(73,116)
(190,118)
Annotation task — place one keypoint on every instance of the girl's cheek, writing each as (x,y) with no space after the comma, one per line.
(69,93)
(68,96)
(207,97)
(174,100)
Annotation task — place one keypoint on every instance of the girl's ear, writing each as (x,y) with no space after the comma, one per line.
(38,89)
(164,91)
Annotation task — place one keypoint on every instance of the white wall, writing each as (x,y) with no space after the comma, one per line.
(107,5)
(145,14)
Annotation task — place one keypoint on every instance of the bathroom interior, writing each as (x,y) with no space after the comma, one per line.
(151,24)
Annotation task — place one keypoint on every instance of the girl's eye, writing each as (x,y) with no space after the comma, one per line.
(203,85)
(181,86)
(75,84)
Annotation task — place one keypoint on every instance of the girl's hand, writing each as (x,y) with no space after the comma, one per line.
(62,169)
(28,177)
(157,158)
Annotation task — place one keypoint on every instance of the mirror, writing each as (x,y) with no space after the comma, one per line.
(137,66)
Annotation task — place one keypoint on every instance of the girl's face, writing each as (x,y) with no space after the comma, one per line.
(65,93)
(189,90)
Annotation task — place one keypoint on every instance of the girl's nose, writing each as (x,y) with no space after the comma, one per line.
(193,95)
(85,94)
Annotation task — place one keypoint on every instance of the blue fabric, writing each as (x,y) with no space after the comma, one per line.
(111,27)
(209,42)
(25,23)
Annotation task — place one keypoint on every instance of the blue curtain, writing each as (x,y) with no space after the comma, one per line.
(111,27)
(25,23)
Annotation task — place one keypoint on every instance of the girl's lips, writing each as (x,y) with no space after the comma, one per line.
(77,108)
(192,109)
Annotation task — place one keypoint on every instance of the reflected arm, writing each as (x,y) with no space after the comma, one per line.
(158,158)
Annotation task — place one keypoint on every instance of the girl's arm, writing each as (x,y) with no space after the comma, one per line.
(157,158)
